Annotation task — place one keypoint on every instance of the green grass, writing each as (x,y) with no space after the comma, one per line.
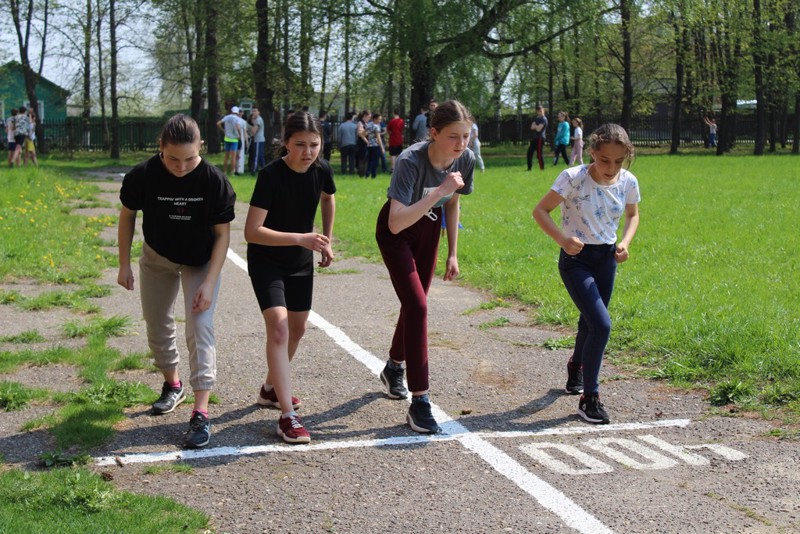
(78,501)
(28,336)
(39,238)
(14,396)
(708,296)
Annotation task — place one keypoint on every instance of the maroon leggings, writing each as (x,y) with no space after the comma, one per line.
(410,257)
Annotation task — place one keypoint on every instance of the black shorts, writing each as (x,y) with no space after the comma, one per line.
(395,150)
(275,289)
(20,140)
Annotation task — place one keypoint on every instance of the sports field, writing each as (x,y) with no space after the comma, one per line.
(705,301)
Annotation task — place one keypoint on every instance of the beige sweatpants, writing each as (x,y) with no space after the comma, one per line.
(159,281)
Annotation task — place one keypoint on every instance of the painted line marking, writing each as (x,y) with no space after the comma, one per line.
(154,457)
(545,494)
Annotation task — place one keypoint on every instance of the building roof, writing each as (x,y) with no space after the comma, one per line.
(17,66)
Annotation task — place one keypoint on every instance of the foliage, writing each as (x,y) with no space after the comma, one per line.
(73,501)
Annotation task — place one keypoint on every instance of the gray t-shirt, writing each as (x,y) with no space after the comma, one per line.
(259,123)
(231,124)
(414,176)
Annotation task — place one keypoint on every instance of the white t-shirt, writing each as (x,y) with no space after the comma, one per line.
(578,133)
(11,127)
(590,211)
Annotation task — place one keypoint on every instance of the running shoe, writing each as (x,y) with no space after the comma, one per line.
(574,379)
(392,378)
(420,418)
(591,409)
(292,431)
(199,433)
(169,400)
(270,399)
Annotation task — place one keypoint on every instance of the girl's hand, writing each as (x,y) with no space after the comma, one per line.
(315,242)
(452,183)
(451,271)
(202,299)
(327,256)
(572,246)
(621,253)
(125,277)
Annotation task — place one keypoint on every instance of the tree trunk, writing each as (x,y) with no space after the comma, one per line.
(627,79)
(101,77)
(112,27)
(680,58)
(212,70)
(758,70)
(264,91)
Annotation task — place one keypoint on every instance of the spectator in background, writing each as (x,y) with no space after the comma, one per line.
(475,145)
(327,135)
(347,143)
(420,126)
(374,144)
(30,145)
(539,129)
(229,124)
(11,128)
(21,131)
(711,122)
(395,129)
(361,142)
(259,141)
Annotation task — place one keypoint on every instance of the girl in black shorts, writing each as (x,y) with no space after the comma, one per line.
(280,255)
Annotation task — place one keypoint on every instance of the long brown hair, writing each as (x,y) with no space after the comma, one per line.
(449,112)
(179,129)
(301,121)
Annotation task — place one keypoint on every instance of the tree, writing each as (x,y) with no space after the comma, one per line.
(31,25)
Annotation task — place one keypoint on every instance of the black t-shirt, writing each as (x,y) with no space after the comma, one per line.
(179,213)
(291,200)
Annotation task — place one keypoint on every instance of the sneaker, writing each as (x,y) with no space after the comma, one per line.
(169,399)
(420,418)
(392,378)
(292,431)
(574,379)
(270,399)
(591,409)
(199,433)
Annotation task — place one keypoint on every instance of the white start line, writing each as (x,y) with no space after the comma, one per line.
(545,494)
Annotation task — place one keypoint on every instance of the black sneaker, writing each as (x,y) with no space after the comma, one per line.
(574,379)
(169,399)
(199,433)
(591,409)
(420,418)
(392,378)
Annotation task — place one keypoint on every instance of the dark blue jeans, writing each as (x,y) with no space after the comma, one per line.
(348,159)
(589,279)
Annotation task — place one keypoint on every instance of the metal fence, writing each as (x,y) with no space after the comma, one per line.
(141,134)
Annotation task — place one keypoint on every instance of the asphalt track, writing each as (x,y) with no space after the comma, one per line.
(513,456)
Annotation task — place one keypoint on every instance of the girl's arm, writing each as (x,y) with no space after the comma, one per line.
(401,217)
(451,214)
(628,231)
(328,211)
(219,251)
(256,232)
(571,245)
(127,223)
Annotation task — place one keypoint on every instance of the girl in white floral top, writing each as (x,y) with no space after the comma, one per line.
(593,200)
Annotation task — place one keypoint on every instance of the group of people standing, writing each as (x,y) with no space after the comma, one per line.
(21,137)
(188,205)
(560,142)
(243,140)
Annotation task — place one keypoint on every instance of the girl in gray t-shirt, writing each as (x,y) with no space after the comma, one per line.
(428,179)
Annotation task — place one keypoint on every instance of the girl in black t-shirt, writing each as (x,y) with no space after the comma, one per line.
(281,241)
(187,208)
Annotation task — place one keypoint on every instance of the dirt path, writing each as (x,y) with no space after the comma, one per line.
(514,458)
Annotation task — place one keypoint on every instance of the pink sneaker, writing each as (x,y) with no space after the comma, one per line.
(292,431)
(270,398)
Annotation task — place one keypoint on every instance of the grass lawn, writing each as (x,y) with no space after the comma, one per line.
(708,298)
